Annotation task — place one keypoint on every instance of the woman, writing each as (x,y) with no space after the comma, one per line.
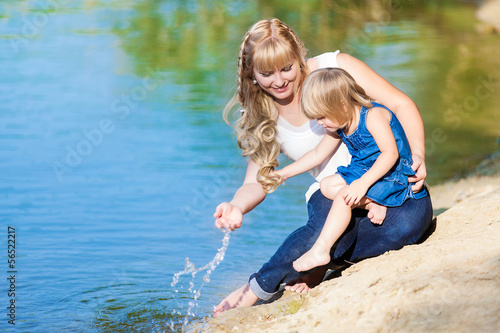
(271,70)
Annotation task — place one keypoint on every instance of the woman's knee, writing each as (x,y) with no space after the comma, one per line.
(411,220)
(318,208)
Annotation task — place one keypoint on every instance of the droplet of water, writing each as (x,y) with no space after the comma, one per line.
(190,268)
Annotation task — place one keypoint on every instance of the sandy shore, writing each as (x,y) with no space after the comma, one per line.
(449,283)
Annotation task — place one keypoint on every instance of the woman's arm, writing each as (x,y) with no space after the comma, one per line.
(247,197)
(312,158)
(377,123)
(402,106)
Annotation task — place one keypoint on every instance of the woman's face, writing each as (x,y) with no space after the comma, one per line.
(280,83)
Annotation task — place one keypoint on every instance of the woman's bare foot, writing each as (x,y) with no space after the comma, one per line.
(376,212)
(305,283)
(241,297)
(315,257)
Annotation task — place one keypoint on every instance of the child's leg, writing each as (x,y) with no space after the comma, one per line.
(335,224)
(376,212)
(331,185)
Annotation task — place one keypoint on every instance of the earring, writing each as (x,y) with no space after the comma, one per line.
(254,81)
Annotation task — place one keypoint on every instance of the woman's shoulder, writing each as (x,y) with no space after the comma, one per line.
(328,59)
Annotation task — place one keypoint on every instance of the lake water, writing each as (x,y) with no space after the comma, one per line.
(114,154)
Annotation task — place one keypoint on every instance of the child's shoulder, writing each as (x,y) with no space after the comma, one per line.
(378,111)
(376,105)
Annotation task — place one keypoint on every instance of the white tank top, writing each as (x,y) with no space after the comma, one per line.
(296,141)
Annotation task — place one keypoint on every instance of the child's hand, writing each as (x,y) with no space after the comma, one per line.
(355,192)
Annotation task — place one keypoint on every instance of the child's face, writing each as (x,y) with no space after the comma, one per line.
(329,124)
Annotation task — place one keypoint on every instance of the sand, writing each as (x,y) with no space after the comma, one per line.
(448,283)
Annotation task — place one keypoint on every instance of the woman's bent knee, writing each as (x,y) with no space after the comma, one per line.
(413,220)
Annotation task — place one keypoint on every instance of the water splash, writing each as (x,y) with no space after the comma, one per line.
(190,268)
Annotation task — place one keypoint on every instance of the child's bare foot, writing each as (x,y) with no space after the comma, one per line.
(376,212)
(305,283)
(316,256)
(241,297)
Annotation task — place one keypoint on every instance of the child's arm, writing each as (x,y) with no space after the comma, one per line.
(377,123)
(312,158)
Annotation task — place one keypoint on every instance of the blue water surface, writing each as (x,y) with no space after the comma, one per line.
(110,178)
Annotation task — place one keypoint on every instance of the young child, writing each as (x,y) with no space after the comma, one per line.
(377,176)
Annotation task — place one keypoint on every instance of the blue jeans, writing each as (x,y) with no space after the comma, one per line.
(402,226)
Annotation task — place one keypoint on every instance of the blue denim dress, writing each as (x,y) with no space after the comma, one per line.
(393,189)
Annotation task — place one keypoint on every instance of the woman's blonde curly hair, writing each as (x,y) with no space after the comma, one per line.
(268,45)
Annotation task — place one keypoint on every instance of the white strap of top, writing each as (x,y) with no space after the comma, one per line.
(328,59)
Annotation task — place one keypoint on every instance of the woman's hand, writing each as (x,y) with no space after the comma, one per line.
(228,216)
(420,175)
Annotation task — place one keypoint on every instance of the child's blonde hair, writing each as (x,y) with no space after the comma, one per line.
(334,94)
(268,45)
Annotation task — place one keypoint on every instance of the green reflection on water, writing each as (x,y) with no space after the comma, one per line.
(429,49)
